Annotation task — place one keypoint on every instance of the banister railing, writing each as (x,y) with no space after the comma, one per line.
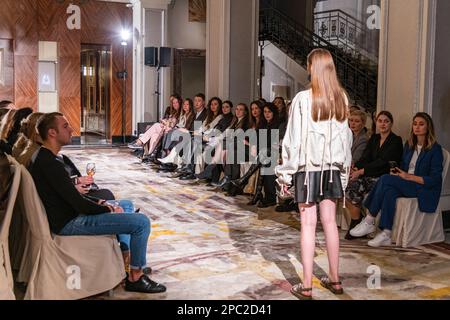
(343,30)
(359,78)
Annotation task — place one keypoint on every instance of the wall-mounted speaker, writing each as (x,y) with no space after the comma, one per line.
(165,57)
(151,56)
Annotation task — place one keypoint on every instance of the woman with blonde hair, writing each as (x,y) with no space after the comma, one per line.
(316,160)
(28,136)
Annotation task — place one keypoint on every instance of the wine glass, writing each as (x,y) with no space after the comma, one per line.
(90,170)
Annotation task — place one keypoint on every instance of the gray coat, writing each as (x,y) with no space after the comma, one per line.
(359,145)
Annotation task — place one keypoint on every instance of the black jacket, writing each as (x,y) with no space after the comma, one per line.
(61,199)
(201,117)
(375,160)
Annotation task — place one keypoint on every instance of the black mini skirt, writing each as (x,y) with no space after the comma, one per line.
(311,193)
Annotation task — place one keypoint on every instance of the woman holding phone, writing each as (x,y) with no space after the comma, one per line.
(420,176)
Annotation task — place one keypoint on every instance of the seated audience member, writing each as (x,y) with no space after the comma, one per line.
(268,182)
(5,106)
(381,149)
(232,171)
(212,138)
(69,213)
(186,120)
(357,123)
(5,181)
(28,139)
(280,103)
(19,116)
(213,170)
(214,116)
(419,176)
(199,116)
(6,126)
(154,135)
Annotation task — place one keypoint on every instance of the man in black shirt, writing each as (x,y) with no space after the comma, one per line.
(70,213)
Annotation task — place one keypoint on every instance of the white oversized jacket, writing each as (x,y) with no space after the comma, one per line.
(310,146)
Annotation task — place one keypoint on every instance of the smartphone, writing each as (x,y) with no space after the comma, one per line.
(393,165)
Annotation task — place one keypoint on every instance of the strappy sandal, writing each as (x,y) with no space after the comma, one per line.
(327,284)
(298,291)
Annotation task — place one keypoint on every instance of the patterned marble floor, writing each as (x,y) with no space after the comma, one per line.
(205,245)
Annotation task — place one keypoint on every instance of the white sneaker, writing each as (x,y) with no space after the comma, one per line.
(381,240)
(363,229)
(170,158)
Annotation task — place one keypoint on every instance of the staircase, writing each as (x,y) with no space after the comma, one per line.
(357,72)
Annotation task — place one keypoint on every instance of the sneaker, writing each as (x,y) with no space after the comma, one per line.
(381,240)
(135,146)
(144,285)
(363,229)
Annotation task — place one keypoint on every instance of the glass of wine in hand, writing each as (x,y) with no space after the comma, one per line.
(90,170)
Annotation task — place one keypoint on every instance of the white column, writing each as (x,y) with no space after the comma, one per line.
(406,53)
(138,65)
(218,48)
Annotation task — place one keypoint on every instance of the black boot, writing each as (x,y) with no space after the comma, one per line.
(258,193)
(242,182)
(353,224)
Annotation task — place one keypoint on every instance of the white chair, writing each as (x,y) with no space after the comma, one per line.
(6,277)
(54,266)
(414,228)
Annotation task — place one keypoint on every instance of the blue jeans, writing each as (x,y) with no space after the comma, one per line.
(384,198)
(136,225)
(128,208)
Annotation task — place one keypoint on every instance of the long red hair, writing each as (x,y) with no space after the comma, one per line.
(328,94)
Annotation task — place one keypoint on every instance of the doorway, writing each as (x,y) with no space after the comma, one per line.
(6,70)
(95,94)
(189,72)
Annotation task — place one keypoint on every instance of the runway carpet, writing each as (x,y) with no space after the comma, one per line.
(205,245)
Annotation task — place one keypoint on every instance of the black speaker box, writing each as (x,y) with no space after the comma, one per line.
(151,56)
(165,57)
(142,127)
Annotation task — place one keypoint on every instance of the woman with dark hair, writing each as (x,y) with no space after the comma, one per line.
(418,176)
(380,150)
(280,103)
(213,117)
(186,119)
(153,136)
(213,171)
(267,181)
(256,114)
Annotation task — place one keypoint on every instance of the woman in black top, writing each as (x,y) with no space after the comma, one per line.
(267,180)
(381,149)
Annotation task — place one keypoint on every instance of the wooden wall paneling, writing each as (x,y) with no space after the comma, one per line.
(70,91)
(29,21)
(25,53)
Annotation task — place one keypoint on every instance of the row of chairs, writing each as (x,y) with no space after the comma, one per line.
(412,228)
(52,267)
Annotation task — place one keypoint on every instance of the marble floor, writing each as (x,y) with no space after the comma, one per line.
(207,246)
